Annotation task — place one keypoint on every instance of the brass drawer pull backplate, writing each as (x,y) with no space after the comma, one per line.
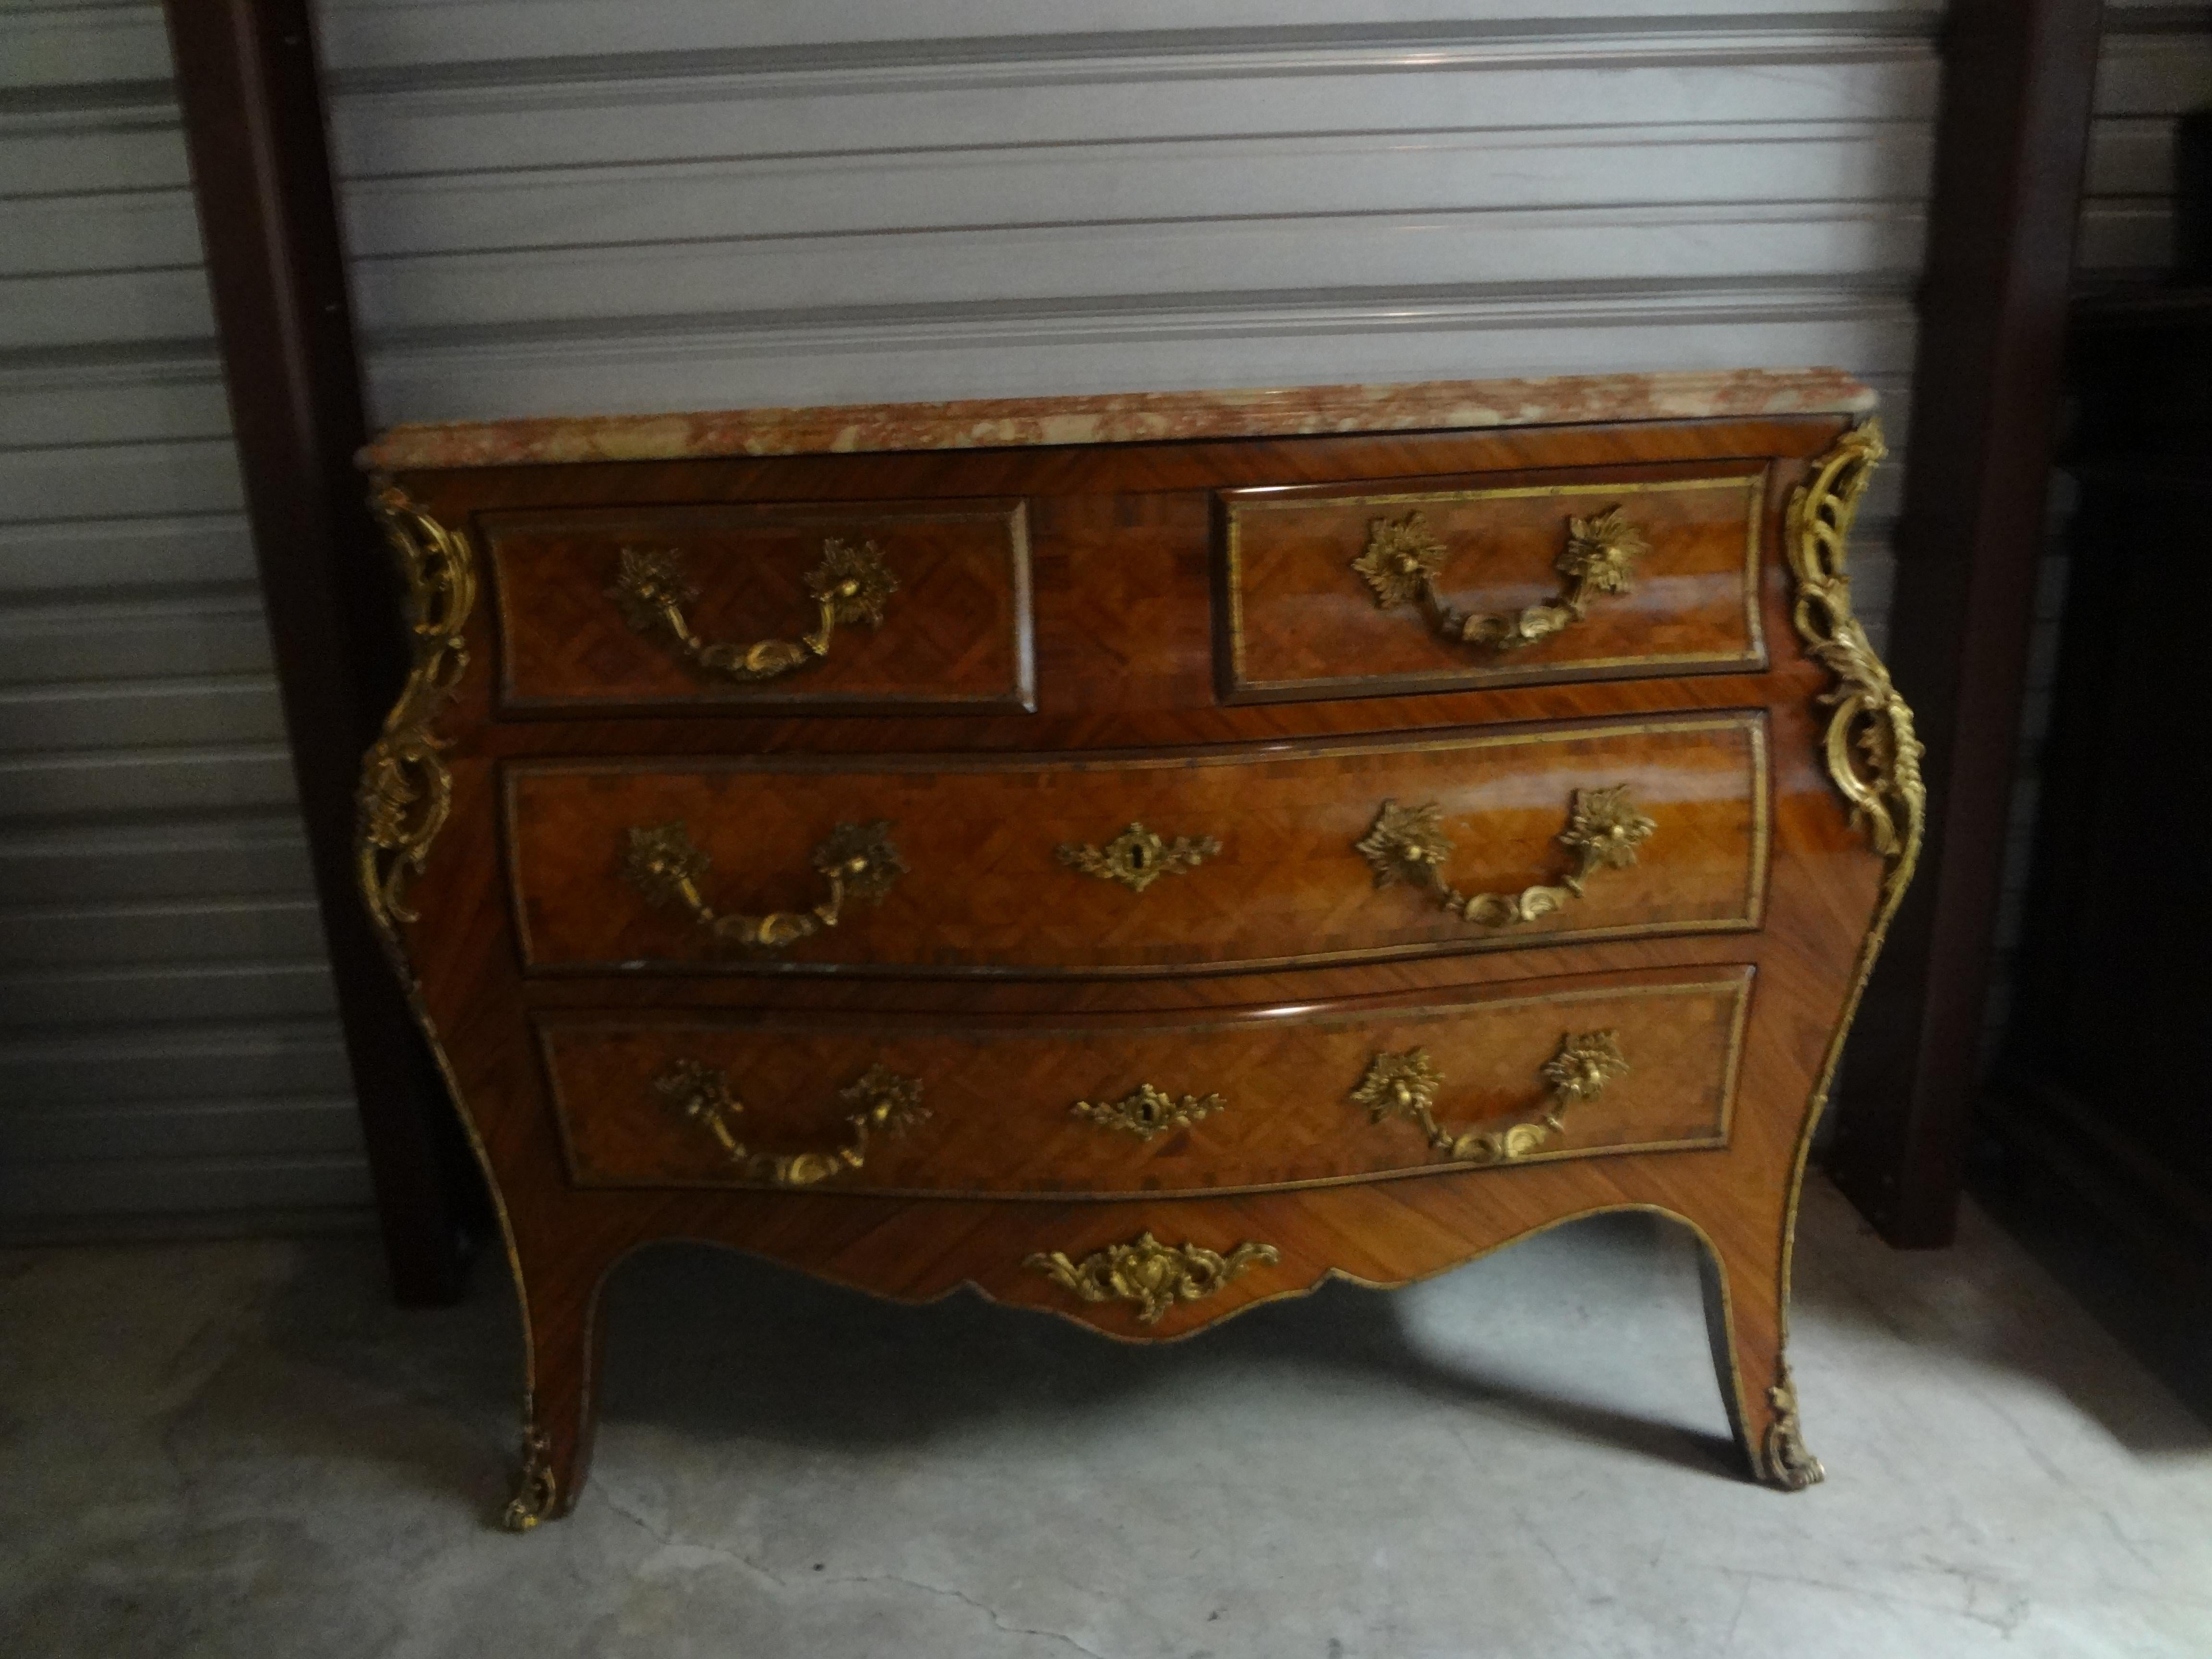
(1408,844)
(1137,858)
(885,1103)
(1404,558)
(856,861)
(850,585)
(1152,1275)
(1405,1086)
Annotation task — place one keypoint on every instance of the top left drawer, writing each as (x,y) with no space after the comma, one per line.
(791,609)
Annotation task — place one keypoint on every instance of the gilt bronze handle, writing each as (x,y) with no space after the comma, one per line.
(1405,1086)
(886,1103)
(1408,844)
(850,585)
(1404,558)
(857,861)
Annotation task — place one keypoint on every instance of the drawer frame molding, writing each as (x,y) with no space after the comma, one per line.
(406,793)
(850,585)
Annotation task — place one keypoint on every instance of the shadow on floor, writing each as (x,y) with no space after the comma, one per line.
(687,1326)
(2164,1324)
(2006,1296)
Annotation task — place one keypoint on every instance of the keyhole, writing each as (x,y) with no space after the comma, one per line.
(1137,858)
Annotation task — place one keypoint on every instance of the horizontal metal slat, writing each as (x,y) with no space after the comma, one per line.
(190,474)
(259,1128)
(78,151)
(83,864)
(96,554)
(158,995)
(932,107)
(134,714)
(204,1062)
(43,409)
(68,46)
(217,632)
(1560,251)
(115,230)
(1305,177)
(148,782)
(180,931)
(2130,156)
(105,309)
(359,34)
(2153,73)
(129,1186)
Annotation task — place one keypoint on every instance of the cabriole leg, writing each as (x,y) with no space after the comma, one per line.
(1744,1317)
(561,1408)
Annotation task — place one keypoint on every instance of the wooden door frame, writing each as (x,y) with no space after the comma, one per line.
(248,86)
(2011,144)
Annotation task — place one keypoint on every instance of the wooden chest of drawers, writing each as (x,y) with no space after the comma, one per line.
(1141,856)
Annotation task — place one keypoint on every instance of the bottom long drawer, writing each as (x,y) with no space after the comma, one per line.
(1213,1104)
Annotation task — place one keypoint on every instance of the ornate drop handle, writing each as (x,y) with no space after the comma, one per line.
(1408,844)
(857,861)
(1405,1086)
(887,1104)
(850,585)
(1404,558)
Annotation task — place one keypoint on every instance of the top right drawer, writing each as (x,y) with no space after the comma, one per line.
(1423,585)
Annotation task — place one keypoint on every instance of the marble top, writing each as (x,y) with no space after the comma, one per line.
(1120,417)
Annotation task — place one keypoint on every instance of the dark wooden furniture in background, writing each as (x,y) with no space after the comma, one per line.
(253,125)
(2099,1083)
(1255,838)
(2010,149)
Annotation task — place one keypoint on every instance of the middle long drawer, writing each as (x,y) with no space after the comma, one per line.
(1206,862)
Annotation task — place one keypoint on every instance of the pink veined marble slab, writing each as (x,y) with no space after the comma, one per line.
(1122,417)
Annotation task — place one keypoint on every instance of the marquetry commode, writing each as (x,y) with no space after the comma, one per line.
(1141,855)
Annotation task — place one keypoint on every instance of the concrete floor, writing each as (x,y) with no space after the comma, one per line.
(239,1450)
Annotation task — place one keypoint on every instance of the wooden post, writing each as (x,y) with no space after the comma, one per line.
(2010,149)
(253,124)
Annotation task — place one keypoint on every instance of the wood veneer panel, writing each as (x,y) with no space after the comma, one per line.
(955,632)
(999,1097)
(984,890)
(1303,622)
